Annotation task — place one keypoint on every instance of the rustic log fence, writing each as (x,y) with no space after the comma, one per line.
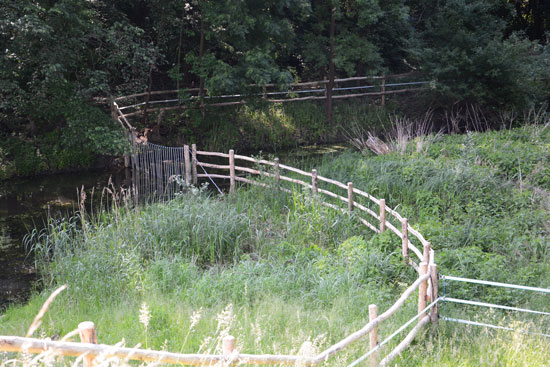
(345,88)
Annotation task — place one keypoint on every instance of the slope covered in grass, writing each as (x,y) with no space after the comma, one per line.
(276,270)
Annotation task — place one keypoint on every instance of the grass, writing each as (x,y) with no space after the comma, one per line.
(289,270)
(276,270)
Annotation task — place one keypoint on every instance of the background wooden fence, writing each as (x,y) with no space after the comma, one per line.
(166,100)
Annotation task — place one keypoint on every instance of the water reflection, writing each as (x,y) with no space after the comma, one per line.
(25,204)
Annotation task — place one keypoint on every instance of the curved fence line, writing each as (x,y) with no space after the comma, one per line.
(227,167)
(167,167)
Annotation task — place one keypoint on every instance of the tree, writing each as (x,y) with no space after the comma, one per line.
(463,48)
(59,56)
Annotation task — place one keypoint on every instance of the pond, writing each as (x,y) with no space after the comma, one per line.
(26,204)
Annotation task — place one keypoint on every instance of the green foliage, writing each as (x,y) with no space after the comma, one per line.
(59,55)
(465,195)
(464,49)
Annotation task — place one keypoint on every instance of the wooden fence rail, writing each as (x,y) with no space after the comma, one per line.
(169,100)
(93,350)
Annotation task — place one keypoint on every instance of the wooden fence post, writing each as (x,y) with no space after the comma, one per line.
(373,314)
(382,215)
(194,164)
(426,253)
(350,197)
(114,113)
(231,171)
(434,313)
(277,173)
(384,90)
(228,345)
(423,288)
(187,163)
(405,238)
(314,184)
(87,333)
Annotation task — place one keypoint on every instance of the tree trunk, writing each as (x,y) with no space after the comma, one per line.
(330,85)
(201,80)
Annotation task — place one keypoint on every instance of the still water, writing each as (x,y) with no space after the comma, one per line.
(26,204)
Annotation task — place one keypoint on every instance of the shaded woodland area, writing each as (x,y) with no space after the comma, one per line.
(60,55)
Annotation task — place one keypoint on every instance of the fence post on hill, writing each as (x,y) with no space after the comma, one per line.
(187,163)
(350,197)
(277,173)
(228,345)
(231,171)
(87,333)
(194,164)
(434,313)
(373,314)
(423,288)
(314,184)
(405,238)
(382,215)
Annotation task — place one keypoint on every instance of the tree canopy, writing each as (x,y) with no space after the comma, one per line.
(57,55)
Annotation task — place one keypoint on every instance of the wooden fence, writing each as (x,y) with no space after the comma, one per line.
(372,212)
(166,100)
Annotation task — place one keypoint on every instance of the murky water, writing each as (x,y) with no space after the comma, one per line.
(26,204)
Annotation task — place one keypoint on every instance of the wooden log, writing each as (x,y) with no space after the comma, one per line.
(405,238)
(373,342)
(228,344)
(426,253)
(392,228)
(37,346)
(406,342)
(368,196)
(194,163)
(314,184)
(321,357)
(296,170)
(215,166)
(382,215)
(343,96)
(423,288)
(213,154)
(232,171)
(350,197)
(293,180)
(252,171)
(277,174)
(418,235)
(426,258)
(413,248)
(334,182)
(187,162)
(87,333)
(253,160)
(434,276)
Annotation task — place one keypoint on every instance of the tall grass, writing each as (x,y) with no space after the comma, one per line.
(282,269)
